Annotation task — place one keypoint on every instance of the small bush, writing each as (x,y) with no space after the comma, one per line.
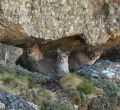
(59,105)
(86,87)
(8,80)
(14,79)
(70,81)
(109,87)
(33,80)
(38,95)
(73,95)
(76,96)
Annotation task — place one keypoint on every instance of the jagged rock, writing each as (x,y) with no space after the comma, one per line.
(54,19)
(9,54)
(102,68)
(2,106)
(11,102)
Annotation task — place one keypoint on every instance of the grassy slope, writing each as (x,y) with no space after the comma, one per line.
(78,90)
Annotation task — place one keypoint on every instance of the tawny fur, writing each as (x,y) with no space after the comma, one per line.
(39,63)
(35,52)
(78,58)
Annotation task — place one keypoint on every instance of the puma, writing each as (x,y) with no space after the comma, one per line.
(29,50)
(78,58)
(36,61)
(34,51)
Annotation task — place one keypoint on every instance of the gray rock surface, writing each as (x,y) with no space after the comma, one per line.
(9,54)
(54,19)
(2,106)
(101,69)
(11,102)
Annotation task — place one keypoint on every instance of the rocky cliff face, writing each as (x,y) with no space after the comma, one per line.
(21,20)
(9,54)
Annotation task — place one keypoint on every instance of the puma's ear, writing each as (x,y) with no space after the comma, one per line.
(27,44)
(68,53)
(58,50)
(100,51)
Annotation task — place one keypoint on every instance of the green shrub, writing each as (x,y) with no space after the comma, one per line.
(8,80)
(86,87)
(75,96)
(38,95)
(59,105)
(109,86)
(33,80)
(14,79)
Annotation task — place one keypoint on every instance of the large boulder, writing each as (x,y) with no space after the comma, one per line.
(12,102)
(9,54)
(54,19)
(101,69)
(2,106)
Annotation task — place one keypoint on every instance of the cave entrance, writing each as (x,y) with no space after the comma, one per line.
(112,54)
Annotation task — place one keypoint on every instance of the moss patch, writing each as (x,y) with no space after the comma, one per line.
(86,86)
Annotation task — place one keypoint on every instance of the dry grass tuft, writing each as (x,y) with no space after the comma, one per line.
(70,81)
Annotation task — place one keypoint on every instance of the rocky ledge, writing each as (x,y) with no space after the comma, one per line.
(55,19)
(101,69)
(11,102)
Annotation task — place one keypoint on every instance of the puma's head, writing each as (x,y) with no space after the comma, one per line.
(96,55)
(34,52)
(62,57)
(62,63)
